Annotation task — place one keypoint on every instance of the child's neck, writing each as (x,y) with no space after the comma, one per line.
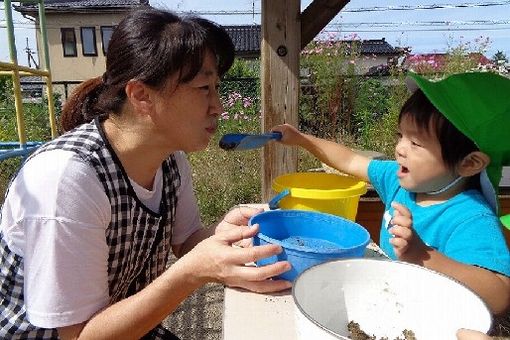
(426,199)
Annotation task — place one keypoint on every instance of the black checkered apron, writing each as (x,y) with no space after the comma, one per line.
(138,239)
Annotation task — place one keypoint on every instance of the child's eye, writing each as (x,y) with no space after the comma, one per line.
(398,135)
(415,143)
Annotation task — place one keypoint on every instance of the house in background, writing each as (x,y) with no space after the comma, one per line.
(78,34)
(372,53)
(246,39)
(375,53)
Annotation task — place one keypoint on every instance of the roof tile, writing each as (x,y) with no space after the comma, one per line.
(246,38)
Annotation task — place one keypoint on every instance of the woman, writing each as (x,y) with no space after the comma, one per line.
(88,222)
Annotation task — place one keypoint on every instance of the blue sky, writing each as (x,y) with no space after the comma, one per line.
(426,26)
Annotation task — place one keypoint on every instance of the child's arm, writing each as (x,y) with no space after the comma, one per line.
(492,287)
(331,153)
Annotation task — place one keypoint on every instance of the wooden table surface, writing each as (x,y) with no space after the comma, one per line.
(252,316)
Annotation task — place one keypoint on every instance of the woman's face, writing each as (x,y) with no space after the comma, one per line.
(418,153)
(186,115)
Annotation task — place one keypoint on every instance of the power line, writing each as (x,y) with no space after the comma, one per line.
(422,23)
(364,23)
(420,30)
(363,9)
(252,11)
(450,24)
(427,7)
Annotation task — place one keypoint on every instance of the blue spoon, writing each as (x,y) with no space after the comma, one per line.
(245,141)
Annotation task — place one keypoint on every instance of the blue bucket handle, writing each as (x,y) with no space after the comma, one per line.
(274,203)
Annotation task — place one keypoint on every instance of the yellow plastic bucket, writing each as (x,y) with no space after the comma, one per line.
(318,191)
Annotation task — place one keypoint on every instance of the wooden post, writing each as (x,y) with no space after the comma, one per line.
(280,49)
(316,16)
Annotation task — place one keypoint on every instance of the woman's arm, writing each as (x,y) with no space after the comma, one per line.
(212,260)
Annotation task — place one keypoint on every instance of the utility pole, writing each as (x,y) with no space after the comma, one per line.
(30,56)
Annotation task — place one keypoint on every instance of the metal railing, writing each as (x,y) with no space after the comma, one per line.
(12,68)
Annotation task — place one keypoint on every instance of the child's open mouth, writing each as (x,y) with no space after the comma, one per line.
(402,171)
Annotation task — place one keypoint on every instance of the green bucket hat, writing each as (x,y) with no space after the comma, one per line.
(477,104)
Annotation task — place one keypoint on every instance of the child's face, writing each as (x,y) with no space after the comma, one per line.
(418,153)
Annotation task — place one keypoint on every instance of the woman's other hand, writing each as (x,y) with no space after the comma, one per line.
(236,217)
(467,334)
(215,260)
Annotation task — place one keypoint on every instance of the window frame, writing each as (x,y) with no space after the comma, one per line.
(102,29)
(88,54)
(63,35)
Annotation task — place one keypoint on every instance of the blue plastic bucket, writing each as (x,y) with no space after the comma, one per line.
(308,238)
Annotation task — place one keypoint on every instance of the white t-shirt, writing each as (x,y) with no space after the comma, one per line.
(55,217)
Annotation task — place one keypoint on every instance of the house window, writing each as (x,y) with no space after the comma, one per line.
(88,41)
(106,34)
(68,42)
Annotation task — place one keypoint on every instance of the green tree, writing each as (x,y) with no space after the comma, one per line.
(499,58)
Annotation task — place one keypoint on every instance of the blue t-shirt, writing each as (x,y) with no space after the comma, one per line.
(464,228)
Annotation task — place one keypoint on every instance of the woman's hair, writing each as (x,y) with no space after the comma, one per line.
(454,144)
(148,45)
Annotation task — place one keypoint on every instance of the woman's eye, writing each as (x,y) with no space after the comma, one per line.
(205,87)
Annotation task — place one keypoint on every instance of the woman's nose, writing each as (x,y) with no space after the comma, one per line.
(216,106)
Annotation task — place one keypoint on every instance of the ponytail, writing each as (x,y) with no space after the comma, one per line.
(81,107)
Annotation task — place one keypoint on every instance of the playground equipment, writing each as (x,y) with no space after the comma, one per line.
(22,148)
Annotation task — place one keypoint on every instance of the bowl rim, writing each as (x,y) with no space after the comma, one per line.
(303,249)
(356,189)
(393,262)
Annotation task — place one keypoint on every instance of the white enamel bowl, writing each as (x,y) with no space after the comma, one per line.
(384,298)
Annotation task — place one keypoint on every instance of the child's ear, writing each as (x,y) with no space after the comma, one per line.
(473,164)
(138,95)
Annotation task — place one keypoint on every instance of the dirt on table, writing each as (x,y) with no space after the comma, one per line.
(356,333)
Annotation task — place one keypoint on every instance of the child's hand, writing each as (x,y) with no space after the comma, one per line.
(406,244)
(290,135)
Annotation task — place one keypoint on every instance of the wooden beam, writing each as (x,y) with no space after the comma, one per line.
(316,16)
(280,49)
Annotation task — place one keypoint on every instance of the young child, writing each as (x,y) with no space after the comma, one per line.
(440,192)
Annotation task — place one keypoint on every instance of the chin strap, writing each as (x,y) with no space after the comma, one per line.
(445,188)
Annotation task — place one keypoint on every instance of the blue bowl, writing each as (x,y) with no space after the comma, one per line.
(308,238)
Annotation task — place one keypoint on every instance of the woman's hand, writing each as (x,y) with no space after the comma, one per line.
(238,216)
(407,245)
(215,260)
(467,334)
